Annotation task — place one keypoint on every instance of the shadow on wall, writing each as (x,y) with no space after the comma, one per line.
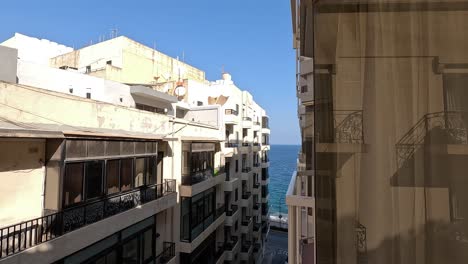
(436,242)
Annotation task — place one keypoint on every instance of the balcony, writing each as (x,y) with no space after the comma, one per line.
(265,162)
(256,188)
(246,173)
(265,177)
(444,133)
(231,116)
(197,234)
(258,252)
(232,247)
(231,148)
(246,225)
(231,183)
(245,147)
(220,253)
(246,199)
(167,254)
(256,146)
(298,193)
(246,250)
(256,126)
(256,208)
(247,122)
(257,227)
(347,135)
(19,237)
(232,215)
(201,181)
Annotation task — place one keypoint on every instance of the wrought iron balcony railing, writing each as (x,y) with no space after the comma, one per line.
(361,238)
(167,254)
(451,127)
(347,128)
(24,235)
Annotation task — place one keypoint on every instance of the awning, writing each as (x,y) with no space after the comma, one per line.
(15,130)
(11,129)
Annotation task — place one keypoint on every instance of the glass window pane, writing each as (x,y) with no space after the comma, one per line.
(140,148)
(139,172)
(73,183)
(113,148)
(130,252)
(126,174)
(127,148)
(148,244)
(112,176)
(76,149)
(96,148)
(151,173)
(94,179)
(111,258)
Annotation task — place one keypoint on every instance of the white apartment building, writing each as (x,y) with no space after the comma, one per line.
(100,169)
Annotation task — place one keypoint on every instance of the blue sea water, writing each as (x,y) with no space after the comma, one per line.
(283,160)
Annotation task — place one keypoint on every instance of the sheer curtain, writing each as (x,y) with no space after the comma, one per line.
(391,154)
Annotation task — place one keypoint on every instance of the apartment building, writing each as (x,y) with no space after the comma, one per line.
(102,169)
(382,108)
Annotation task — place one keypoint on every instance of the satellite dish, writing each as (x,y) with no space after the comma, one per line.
(180,90)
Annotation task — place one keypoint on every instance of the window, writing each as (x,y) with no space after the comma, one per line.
(199,103)
(236,225)
(237,165)
(130,251)
(109,62)
(88,69)
(94,176)
(112,176)
(73,183)
(139,172)
(126,174)
(236,194)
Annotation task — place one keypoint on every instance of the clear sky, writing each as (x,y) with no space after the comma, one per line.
(250,38)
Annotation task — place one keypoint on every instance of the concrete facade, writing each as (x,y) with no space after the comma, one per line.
(50,111)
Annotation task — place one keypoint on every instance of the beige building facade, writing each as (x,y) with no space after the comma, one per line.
(106,169)
(382,109)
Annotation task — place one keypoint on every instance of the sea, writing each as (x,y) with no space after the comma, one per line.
(283,160)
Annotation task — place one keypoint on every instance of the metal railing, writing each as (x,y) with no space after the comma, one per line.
(220,210)
(246,195)
(361,241)
(18,237)
(167,254)
(219,250)
(231,244)
(232,144)
(246,220)
(452,125)
(232,211)
(246,246)
(347,127)
(197,177)
(246,169)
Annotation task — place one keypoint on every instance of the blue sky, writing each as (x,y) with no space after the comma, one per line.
(251,38)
